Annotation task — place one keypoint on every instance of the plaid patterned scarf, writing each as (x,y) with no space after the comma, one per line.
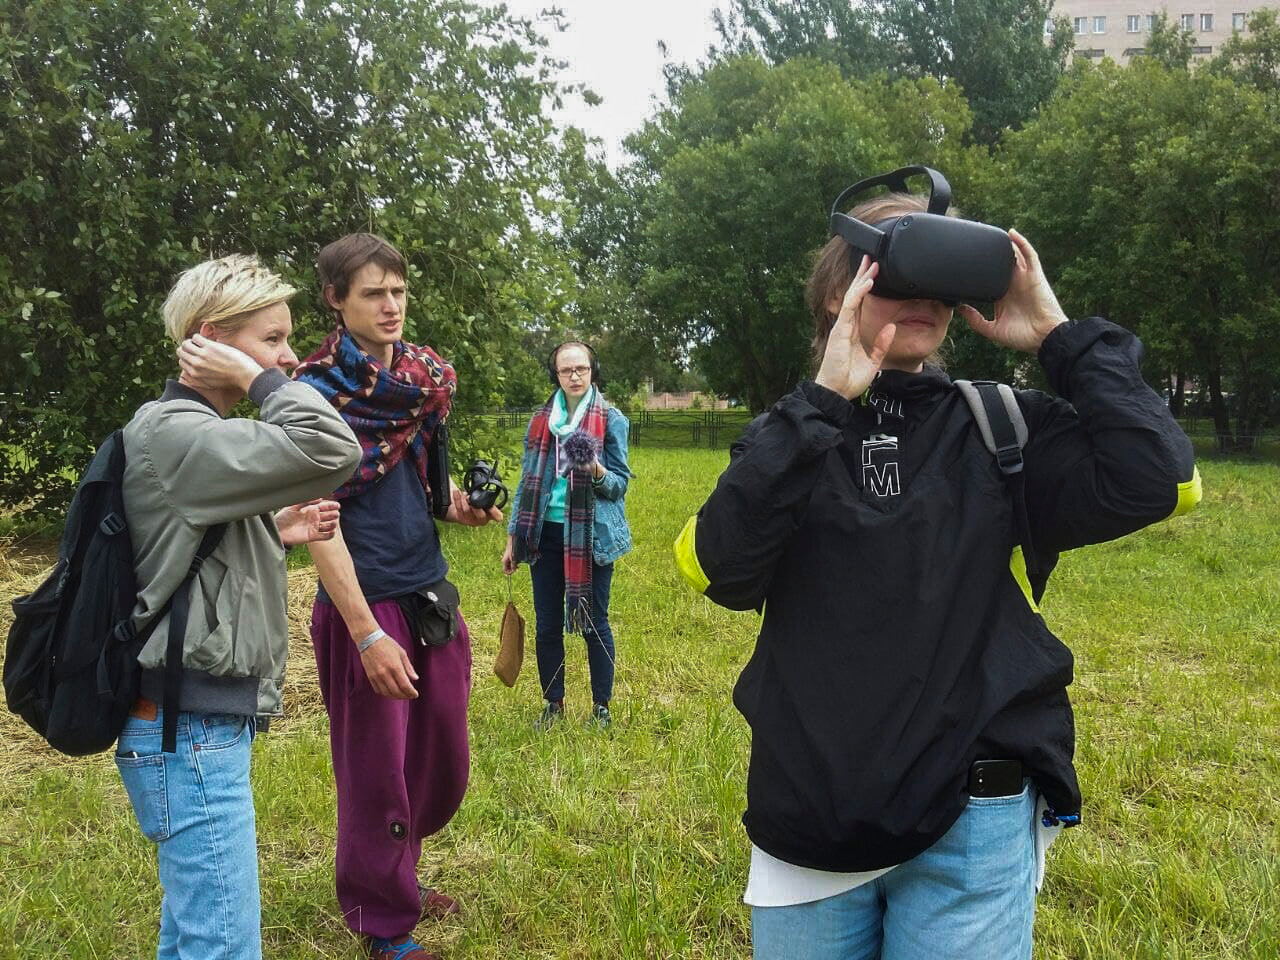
(392,411)
(580,508)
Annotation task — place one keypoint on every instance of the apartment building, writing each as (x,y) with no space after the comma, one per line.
(1119,28)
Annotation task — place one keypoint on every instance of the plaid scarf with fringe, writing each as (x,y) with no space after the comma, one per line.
(580,509)
(393,411)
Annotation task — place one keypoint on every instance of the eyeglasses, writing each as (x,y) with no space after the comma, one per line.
(573,373)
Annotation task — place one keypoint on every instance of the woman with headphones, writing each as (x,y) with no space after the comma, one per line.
(570,524)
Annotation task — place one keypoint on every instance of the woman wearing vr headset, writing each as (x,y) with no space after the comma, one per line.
(570,524)
(912,738)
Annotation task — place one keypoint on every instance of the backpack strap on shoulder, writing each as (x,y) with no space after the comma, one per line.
(180,606)
(1004,431)
(999,419)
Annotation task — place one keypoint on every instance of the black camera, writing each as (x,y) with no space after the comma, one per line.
(927,256)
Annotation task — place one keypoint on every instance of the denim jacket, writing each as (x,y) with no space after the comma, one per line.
(611,535)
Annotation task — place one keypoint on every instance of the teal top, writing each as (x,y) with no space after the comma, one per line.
(561,425)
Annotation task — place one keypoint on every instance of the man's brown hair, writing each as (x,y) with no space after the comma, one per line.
(339,261)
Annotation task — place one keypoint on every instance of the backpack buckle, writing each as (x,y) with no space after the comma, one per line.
(1009,458)
(112,524)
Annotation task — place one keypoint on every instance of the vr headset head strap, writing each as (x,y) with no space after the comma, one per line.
(866,237)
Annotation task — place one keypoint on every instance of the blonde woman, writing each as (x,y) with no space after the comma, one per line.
(190,468)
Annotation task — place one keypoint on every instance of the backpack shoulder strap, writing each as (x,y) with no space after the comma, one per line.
(999,418)
(1004,431)
(180,605)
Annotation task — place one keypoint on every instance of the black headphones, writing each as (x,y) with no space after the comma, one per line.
(927,256)
(595,362)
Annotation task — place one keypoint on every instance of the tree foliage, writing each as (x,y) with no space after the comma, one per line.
(142,136)
(834,31)
(1253,58)
(996,51)
(1152,192)
(1169,43)
(731,189)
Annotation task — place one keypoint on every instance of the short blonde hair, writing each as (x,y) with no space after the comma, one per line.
(222,292)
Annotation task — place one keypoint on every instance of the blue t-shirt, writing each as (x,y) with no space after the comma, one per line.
(392,536)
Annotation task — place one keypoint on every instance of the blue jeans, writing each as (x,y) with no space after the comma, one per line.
(547,574)
(971,895)
(196,806)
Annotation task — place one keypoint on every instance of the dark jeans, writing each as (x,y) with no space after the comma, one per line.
(548,607)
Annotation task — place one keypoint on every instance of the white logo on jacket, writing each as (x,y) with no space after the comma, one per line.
(880,465)
(888,406)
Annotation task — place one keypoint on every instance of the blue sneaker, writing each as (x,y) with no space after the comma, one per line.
(381,948)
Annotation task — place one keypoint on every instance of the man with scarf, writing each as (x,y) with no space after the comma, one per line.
(397,705)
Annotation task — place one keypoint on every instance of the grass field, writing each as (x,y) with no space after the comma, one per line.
(627,844)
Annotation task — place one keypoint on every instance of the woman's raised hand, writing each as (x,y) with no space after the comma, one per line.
(215,366)
(847,367)
(1028,313)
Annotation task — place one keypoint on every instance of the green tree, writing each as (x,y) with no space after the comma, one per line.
(835,31)
(632,343)
(1150,192)
(1253,58)
(142,136)
(995,50)
(1169,43)
(732,186)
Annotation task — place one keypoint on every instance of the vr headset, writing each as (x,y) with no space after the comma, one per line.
(927,256)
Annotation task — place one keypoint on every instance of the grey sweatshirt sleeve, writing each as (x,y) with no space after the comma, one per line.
(212,470)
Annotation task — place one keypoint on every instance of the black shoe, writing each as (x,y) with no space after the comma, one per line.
(600,716)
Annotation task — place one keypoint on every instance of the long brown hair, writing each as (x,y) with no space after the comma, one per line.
(834,268)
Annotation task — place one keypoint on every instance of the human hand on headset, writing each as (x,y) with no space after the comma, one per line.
(848,367)
(1028,313)
(461,511)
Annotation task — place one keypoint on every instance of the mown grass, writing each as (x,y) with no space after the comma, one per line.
(582,844)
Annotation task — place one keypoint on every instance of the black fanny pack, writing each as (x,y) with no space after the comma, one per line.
(432,613)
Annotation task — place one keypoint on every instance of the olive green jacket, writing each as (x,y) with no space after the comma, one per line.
(187,469)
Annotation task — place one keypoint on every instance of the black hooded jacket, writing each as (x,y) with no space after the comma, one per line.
(900,639)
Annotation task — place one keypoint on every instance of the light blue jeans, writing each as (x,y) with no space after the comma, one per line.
(197,807)
(970,896)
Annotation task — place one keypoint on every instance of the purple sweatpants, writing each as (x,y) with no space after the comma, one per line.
(401,765)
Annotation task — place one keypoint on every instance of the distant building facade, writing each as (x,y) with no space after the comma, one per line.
(687,400)
(1119,28)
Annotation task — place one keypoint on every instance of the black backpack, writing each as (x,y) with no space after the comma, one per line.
(71,661)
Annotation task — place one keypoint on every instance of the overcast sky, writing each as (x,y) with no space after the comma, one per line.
(612,47)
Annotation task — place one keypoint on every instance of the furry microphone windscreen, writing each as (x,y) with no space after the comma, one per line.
(580,448)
